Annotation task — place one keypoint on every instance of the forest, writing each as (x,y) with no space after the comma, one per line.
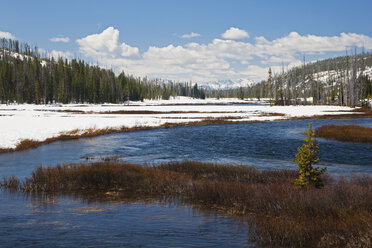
(342,80)
(27,77)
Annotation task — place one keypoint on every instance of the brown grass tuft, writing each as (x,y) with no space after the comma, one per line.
(346,133)
(104,177)
(231,173)
(11,182)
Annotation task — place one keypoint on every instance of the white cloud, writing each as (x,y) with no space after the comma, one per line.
(6,35)
(235,33)
(190,35)
(218,59)
(60,39)
(255,72)
(106,45)
(55,54)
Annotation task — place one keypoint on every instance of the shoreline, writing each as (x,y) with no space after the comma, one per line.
(26,144)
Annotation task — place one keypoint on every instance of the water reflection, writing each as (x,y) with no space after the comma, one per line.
(29,220)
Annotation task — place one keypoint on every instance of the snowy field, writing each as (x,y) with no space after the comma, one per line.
(39,122)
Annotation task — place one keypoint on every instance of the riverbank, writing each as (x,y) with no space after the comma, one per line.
(280,214)
(29,126)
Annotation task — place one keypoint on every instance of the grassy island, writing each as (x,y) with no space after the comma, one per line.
(346,133)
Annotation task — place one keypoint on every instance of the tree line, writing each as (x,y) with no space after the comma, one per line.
(26,77)
(338,81)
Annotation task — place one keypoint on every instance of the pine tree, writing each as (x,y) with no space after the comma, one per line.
(306,157)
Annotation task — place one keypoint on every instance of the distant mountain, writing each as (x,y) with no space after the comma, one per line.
(226,84)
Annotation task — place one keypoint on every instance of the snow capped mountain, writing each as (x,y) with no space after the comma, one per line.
(226,84)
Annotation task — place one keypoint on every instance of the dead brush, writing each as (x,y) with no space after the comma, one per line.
(11,182)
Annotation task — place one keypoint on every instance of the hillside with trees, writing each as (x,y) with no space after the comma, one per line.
(342,80)
(27,77)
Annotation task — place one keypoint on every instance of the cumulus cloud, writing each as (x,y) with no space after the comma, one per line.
(6,35)
(218,59)
(60,39)
(190,35)
(106,45)
(235,33)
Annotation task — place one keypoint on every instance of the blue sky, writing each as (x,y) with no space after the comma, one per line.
(145,37)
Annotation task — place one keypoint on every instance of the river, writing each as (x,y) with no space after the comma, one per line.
(65,221)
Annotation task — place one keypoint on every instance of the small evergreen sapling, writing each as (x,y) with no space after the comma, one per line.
(306,157)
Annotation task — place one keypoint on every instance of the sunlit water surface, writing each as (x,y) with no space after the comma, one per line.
(29,221)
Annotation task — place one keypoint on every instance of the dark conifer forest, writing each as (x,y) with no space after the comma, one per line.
(27,77)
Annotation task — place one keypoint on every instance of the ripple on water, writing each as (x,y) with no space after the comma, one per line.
(72,222)
(64,221)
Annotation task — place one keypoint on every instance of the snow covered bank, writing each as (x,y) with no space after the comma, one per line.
(39,122)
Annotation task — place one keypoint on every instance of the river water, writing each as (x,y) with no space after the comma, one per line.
(63,221)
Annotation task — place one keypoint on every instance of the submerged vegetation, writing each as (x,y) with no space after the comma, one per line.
(346,133)
(280,213)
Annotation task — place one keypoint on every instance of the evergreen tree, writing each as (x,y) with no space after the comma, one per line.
(26,77)
(306,157)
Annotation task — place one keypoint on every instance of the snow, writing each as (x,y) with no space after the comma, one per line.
(20,56)
(226,84)
(43,63)
(334,76)
(187,100)
(39,122)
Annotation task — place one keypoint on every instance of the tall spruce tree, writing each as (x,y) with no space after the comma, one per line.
(306,157)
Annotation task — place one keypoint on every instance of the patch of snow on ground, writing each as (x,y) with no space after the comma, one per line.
(39,122)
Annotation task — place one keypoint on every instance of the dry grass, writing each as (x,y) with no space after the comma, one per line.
(231,173)
(281,215)
(271,114)
(104,177)
(11,182)
(346,133)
